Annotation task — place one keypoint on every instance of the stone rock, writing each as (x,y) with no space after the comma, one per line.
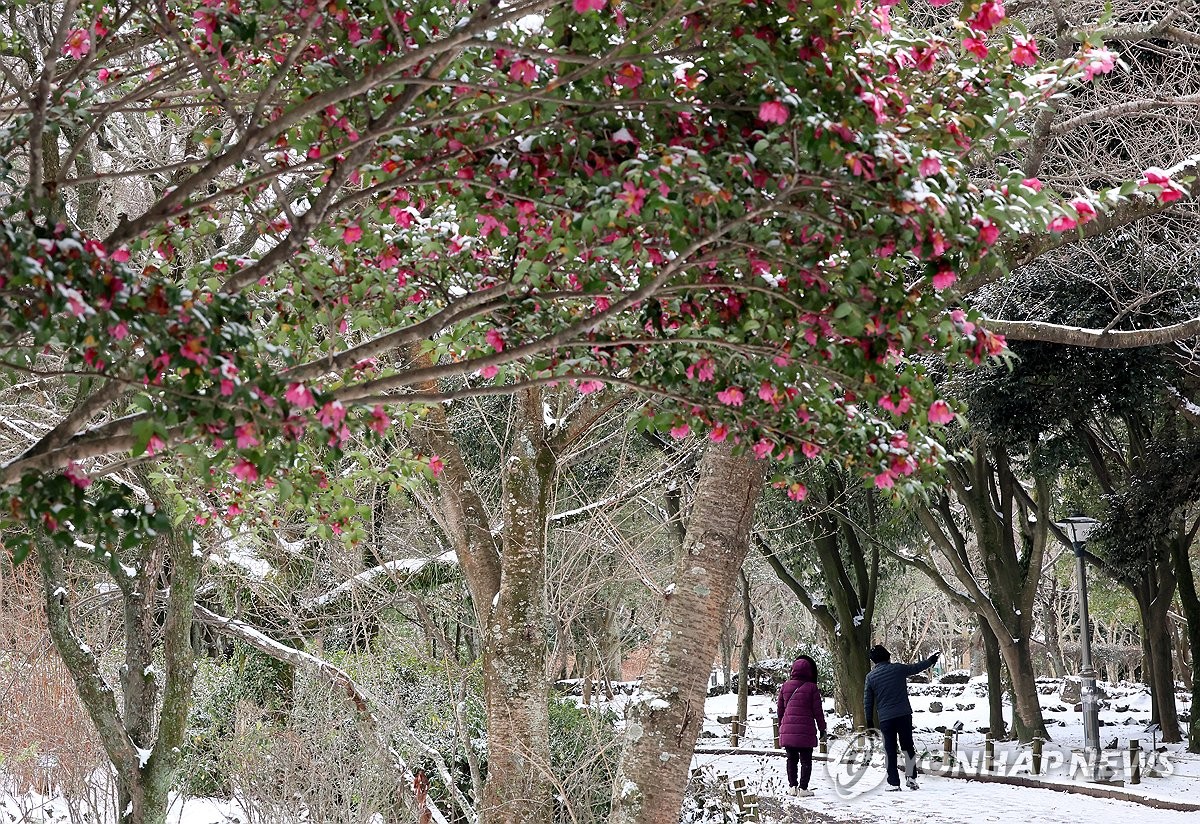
(935,706)
(1072,691)
(1079,708)
(964,707)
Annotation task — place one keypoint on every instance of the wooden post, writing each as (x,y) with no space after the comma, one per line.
(1037,756)
(947,750)
(1135,761)
(775,732)
(734,730)
(989,754)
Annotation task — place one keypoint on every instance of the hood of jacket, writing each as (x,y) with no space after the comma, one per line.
(802,670)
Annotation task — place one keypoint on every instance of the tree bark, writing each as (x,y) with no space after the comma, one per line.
(519,787)
(1154,593)
(1190,604)
(995,676)
(743,693)
(663,723)
(143,741)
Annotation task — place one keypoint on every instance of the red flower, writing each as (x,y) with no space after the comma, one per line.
(940,413)
(1063,223)
(584,6)
(79,43)
(772,111)
(630,76)
(1025,52)
(976,46)
(733,396)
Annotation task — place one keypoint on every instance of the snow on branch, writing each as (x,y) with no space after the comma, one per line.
(406,567)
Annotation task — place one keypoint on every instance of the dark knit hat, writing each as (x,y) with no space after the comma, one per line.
(879,654)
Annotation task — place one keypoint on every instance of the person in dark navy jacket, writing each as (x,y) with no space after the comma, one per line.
(886,694)
(800,716)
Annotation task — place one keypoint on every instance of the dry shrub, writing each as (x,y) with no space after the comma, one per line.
(47,741)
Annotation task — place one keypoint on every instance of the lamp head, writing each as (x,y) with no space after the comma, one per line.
(1078,528)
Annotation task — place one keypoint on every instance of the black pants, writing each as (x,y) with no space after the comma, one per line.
(804,756)
(893,729)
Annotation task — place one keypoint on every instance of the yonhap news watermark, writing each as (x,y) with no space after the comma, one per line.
(855,766)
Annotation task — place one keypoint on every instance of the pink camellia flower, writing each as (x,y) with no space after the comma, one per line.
(929,166)
(732,396)
(588,387)
(1170,194)
(1063,223)
(1084,209)
(155,444)
(245,471)
(797,491)
(940,412)
(1156,176)
(379,420)
(884,480)
(245,436)
(989,233)
(1032,183)
(976,46)
(119,330)
(489,372)
(1096,61)
(719,433)
(352,233)
(1025,51)
(681,431)
(584,6)
(299,396)
(332,414)
(495,340)
(773,111)
(523,71)
(77,476)
(436,465)
(763,449)
(78,43)
(766,392)
(944,279)
(701,370)
(630,76)
(990,15)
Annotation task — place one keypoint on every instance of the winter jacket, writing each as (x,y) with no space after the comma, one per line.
(887,688)
(799,708)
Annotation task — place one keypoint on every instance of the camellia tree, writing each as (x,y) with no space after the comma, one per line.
(234,233)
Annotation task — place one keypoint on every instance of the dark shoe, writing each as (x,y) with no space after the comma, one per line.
(912,784)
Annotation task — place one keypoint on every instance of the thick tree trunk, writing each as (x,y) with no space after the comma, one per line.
(1157,642)
(1190,604)
(143,741)
(663,723)
(852,668)
(1027,709)
(519,786)
(995,677)
(743,700)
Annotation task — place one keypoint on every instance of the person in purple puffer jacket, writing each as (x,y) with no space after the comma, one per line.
(800,716)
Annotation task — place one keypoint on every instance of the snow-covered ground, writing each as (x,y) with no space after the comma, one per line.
(942,799)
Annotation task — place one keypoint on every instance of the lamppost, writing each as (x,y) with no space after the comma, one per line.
(1077,529)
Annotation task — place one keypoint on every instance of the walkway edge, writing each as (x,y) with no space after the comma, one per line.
(1013,780)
